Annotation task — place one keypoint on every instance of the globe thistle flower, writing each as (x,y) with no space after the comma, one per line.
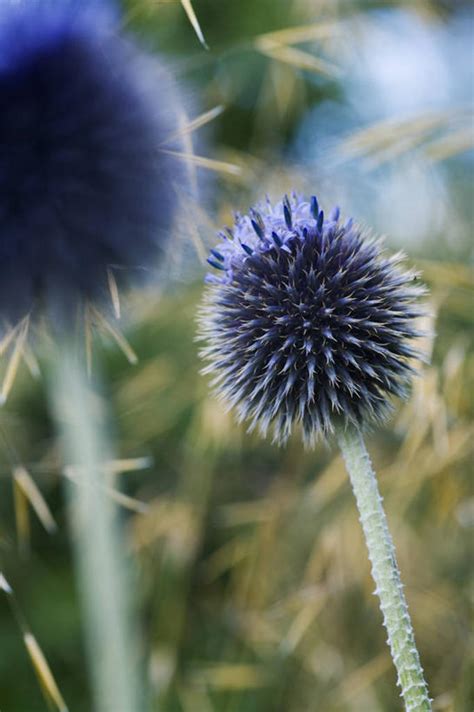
(307,321)
(83,187)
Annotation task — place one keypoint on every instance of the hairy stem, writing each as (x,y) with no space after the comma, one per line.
(385,572)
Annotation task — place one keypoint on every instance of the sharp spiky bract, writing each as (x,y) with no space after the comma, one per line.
(307,321)
(82,184)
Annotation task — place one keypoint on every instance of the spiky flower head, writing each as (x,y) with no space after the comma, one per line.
(83,185)
(307,321)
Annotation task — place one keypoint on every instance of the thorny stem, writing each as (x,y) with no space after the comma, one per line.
(385,572)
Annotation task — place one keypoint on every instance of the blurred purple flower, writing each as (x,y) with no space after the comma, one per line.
(82,184)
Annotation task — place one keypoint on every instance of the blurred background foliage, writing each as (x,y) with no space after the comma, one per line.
(251,583)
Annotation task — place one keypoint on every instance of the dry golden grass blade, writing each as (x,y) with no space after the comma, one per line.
(191,126)
(26,483)
(257,629)
(114,467)
(427,465)
(31,361)
(283,90)
(386,132)
(22,517)
(5,586)
(365,676)
(394,151)
(451,145)
(301,33)
(130,503)
(188,8)
(225,558)
(303,620)
(209,163)
(392,136)
(8,338)
(131,464)
(191,228)
(15,359)
(254,586)
(114,293)
(117,336)
(226,676)
(188,147)
(453,375)
(234,515)
(44,674)
(134,505)
(170,520)
(185,131)
(328,484)
(423,405)
(297,58)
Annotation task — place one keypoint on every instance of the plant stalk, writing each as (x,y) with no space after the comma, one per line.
(385,572)
(102,568)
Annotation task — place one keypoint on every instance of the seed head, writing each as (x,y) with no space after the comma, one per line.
(83,187)
(307,321)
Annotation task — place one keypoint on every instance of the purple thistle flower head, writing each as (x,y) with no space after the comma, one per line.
(83,186)
(307,321)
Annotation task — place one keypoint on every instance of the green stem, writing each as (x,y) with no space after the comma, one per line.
(102,567)
(385,572)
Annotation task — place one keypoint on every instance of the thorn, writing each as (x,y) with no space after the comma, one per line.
(14,360)
(216,265)
(4,585)
(217,255)
(257,226)
(334,214)
(188,8)
(287,212)
(114,292)
(320,221)
(118,337)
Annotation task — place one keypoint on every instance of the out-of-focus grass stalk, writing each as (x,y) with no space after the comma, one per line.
(97,539)
(385,572)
